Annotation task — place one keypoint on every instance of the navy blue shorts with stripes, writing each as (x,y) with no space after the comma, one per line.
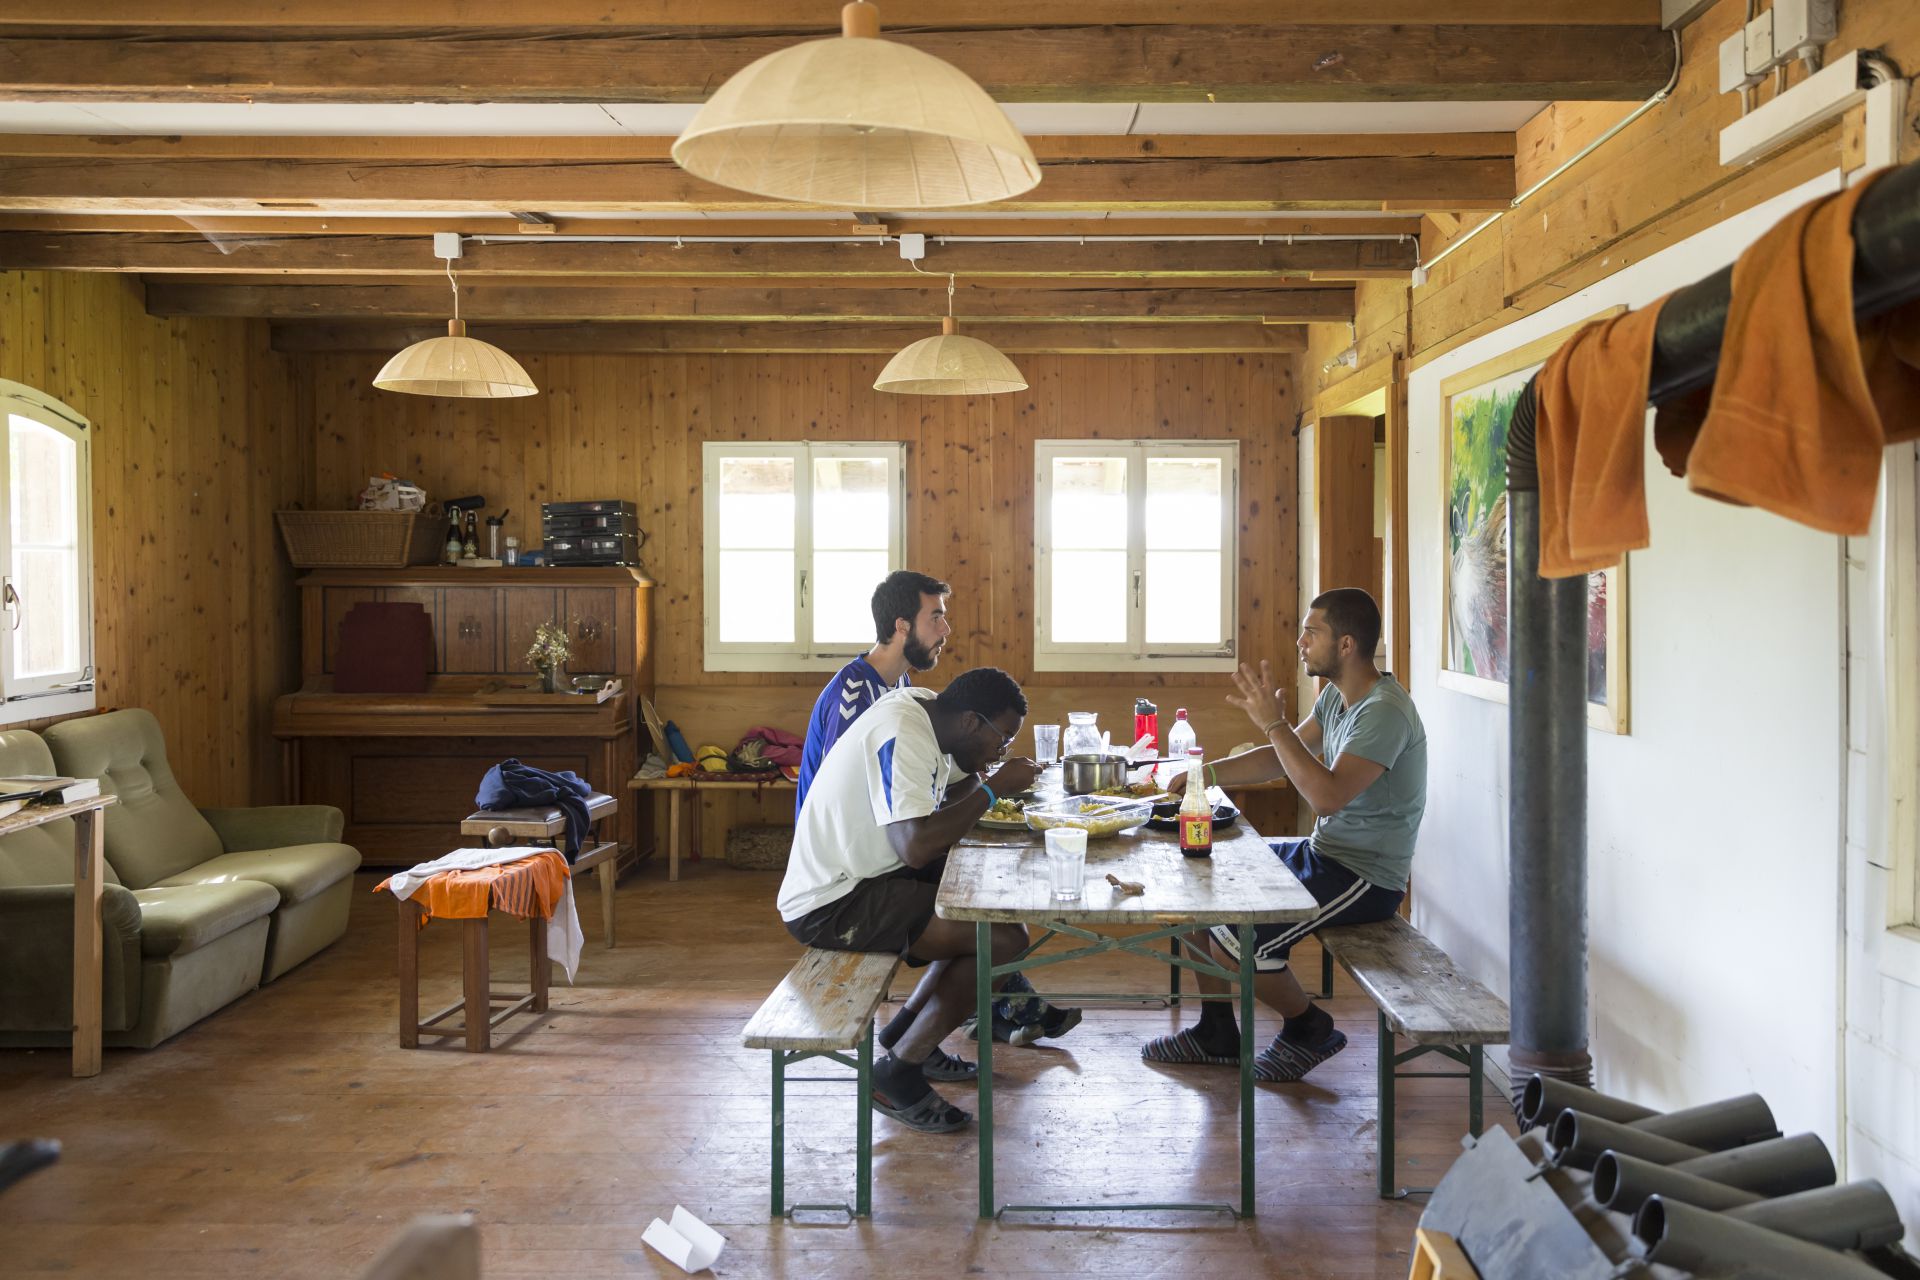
(1343,896)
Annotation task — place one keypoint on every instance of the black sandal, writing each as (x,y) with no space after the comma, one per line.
(931,1114)
(948,1069)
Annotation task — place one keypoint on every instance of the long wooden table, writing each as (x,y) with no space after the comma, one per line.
(89,878)
(995,877)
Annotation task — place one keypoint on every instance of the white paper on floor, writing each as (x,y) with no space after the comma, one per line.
(687,1242)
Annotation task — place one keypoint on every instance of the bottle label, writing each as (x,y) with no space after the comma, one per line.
(1196,832)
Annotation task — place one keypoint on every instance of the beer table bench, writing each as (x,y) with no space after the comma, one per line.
(1001,877)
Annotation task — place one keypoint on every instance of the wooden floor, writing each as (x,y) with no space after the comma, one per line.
(289,1136)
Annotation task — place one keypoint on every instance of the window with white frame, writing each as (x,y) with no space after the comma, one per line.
(1134,550)
(797,537)
(46,558)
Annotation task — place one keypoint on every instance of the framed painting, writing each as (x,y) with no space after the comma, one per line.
(1476,407)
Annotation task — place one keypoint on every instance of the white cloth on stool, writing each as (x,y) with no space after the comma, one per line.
(564,939)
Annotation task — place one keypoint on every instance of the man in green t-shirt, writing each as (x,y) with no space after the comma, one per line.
(1360,762)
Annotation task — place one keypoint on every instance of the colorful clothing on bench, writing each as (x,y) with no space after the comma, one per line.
(527,881)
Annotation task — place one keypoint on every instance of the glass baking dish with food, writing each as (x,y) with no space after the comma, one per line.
(1095,815)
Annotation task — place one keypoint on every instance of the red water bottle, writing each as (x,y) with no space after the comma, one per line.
(1146,722)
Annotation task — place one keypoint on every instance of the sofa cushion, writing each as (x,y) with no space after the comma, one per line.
(185,918)
(42,854)
(154,832)
(297,872)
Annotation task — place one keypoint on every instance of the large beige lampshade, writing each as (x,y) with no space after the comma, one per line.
(857,122)
(455,365)
(949,364)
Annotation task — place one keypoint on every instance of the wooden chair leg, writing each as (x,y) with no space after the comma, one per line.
(541,970)
(476,985)
(607,870)
(409,975)
(673,835)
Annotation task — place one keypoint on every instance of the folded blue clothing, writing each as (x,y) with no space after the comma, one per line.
(513,785)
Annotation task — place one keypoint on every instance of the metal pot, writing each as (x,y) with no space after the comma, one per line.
(1086,773)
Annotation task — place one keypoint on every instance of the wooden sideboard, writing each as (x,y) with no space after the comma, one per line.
(404,767)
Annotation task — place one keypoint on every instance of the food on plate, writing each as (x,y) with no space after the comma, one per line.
(1096,815)
(1007,810)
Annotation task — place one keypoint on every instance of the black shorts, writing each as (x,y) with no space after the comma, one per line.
(883,913)
(1343,896)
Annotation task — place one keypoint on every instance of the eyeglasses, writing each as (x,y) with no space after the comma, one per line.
(1006,739)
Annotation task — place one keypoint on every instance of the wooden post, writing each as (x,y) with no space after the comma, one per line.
(673,834)
(89,870)
(537,951)
(608,871)
(409,974)
(476,984)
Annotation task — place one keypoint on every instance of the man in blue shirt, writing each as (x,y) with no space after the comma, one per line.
(910,622)
(910,628)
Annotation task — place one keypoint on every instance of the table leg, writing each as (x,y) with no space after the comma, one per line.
(607,872)
(89,869)
(1384,1064)
(673,835)
(779,1167)
(1173,982)
(409,974)
(863,1130)
(475,981)
(1246,1070)
(541,970)
(983,1014)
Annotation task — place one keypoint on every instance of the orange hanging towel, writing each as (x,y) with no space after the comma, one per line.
(1803,403)
(1590,439)
(528,887)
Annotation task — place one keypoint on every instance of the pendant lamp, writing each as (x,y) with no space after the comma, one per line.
(857,122)
(455,365)
(950,364)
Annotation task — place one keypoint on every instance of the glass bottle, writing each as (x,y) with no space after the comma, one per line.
(1196,811)
(1081,737)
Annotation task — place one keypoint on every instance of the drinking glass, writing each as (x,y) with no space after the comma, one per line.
(1046,743)
(1066,861)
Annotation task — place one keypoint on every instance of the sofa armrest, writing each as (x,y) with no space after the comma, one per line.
(275,826)
(36,954)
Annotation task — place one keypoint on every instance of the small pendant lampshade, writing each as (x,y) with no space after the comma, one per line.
(455,365)
(950,364)
(857,122)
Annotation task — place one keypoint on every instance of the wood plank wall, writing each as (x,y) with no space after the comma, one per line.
(614,426)
(196,442)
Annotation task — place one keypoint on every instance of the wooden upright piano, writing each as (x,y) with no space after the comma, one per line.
(404,767)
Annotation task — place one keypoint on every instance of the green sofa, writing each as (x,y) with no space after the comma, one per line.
(199,907)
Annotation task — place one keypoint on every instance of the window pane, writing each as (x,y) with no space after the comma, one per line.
(1089,504)
(46,549)
(852,505)
(756,597)
(1183,597)
(1089,604)
(1183,503)
(756,503)
(843,583)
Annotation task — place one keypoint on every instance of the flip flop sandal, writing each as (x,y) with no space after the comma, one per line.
(1284,1061)
(947,1069)
(931,1114)
(1060,1021)
(1183,1049)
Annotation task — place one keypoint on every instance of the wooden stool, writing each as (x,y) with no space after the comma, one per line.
(499,827)
(476,984)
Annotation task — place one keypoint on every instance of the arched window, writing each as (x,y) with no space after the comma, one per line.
(46,557)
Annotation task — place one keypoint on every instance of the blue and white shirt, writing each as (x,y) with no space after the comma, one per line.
(856,687)
(886,768)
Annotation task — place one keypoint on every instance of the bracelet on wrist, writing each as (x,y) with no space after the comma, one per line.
(1213,775)
(992,799)
(1271,725)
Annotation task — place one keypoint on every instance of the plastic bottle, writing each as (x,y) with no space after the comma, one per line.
(1146,722)
(1181,739)
(513,550)
(1196,811)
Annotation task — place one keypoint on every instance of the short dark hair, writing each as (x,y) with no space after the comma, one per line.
(1351,612)
(987,690)
(898,596)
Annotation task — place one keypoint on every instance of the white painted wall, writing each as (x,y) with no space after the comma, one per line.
(1715,834)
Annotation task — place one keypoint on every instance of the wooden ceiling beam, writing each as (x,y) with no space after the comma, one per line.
(876,262)
(193,184)
(810,337)
(1267,62)
(930,225)
(1118,303)
(809,16)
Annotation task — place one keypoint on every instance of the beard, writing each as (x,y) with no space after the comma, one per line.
(921,657)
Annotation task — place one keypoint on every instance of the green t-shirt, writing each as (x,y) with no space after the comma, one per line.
(1373,835)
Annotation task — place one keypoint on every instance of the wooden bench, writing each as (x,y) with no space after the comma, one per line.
(1419,995)
(823,1009)
(499,827)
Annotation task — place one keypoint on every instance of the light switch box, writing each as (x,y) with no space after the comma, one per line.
(1802,25)
(1733,64)
(1760,44)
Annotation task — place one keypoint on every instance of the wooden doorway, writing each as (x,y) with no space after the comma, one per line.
(1366,532)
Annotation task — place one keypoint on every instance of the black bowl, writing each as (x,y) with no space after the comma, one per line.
(1166,816)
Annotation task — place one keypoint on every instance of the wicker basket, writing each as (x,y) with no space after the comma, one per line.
(359,539)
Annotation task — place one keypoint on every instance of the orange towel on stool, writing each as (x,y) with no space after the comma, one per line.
(529,887)
(1803,404)
(1590,441)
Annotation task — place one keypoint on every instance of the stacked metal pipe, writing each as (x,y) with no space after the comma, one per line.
(1717,1190)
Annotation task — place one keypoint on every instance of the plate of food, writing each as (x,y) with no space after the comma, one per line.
(1007,813)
